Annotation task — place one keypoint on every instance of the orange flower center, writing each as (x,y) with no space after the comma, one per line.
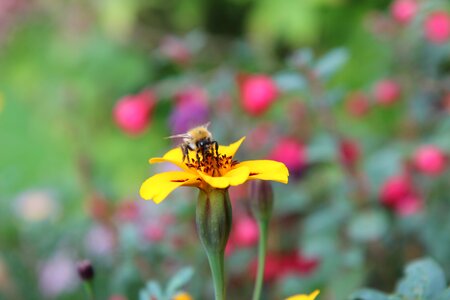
(212,164)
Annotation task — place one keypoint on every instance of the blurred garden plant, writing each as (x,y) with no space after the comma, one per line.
(353,97)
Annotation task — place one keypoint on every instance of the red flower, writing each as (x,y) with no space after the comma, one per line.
(280,265)
(349,152)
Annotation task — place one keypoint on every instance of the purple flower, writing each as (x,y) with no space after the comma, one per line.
(191,109)
(57,275)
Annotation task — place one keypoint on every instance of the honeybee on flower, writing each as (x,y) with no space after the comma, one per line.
(197,139)
(207,165)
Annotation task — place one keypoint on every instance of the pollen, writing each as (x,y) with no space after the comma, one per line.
(212,164)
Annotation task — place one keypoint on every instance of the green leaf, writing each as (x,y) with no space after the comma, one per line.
(177,281)
(290,81)
(144,295)
(154,289)
(368,225)
(444,295)
(368,294)
(331,62)
(424,279)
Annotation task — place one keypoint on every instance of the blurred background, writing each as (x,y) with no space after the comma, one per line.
(353,96)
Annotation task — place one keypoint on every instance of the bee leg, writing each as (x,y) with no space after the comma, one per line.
(197,156)
(216,149)
(185,152)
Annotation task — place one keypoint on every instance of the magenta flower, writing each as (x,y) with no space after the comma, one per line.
(132,113)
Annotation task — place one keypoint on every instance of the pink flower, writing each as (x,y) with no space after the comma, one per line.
(154,232)
(132,112)
(357,104)
(100,241)
(229,248)
(430,160)
(409,205)
(437,27)
(398,193)
(175,50)
(290,152)
(258,92)
(403,11)
(128,211)
(245,232)
(395,188)
(117,297)
(387,91)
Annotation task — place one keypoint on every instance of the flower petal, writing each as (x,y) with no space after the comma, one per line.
(266,170)
(158,186)
(179,164)
(174,155)
(236,176)
(231,149)
(311,296)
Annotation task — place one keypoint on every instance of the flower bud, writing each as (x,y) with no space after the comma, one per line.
(85,270)
(261,199)
(213,218)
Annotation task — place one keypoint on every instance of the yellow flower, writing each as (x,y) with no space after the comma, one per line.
(209,172)
(311,296)
(182,296)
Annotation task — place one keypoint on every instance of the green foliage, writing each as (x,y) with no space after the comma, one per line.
(174,286)
(423,279)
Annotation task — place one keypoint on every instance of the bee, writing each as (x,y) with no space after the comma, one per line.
(198,139)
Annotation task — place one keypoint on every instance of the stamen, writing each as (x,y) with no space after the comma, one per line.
(211,162)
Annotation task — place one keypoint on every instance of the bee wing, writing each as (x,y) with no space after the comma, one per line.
(206,125)
(180,136)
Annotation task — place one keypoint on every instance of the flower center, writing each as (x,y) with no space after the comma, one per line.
(212,164)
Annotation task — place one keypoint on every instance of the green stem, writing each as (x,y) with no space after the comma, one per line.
(213,219)
(262,249)
(216,263)
(89,290)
